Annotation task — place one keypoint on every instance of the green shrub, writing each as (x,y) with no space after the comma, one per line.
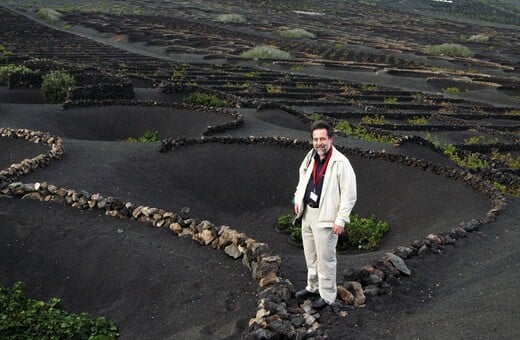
(417,97)
(270,88)
(370,88)
(296,234)
(508,189)
(470,161)
(55,86)
(362,133)
(49,15)
(266,52)
(23,318)
(451,90)
(296,33)
(512,161)
(316,116)
(231,18)
(284,222)
(479,38)
(391,100)
(365,233)
(5,71)
(451,50)
(4,53)
(480,140)
(377,119)
(418,121)
(198,98)
(147,137)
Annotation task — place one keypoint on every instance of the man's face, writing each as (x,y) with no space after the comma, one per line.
(321,141)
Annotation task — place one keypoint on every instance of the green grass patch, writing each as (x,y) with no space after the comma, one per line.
(231,18)
(297,33)
(147,137)
(24,318)
(198,98)
(449,49)
(266,52)
(56,85)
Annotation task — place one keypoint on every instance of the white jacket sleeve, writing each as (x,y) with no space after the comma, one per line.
(348,193)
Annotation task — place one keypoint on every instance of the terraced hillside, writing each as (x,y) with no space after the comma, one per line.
(435,137)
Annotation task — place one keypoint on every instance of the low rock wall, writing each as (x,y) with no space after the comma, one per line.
(237,120)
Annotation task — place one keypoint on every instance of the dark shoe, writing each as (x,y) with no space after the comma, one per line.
(319,303)
(304,293)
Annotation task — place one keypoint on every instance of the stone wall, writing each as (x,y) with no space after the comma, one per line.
(237,120)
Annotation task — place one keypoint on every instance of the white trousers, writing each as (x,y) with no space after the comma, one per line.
(319,247)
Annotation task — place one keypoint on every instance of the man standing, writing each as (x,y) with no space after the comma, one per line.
(325,196)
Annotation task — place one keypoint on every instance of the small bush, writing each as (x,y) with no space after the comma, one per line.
(391,100)
(4,53)
(370,88)
(147,137)
(362,133)
(231,18)
(316,116)
(5,71)
(23,318)
(417,97)
(266,52)
(480,140)
(198,98)
(418,121)
(55,86)
(479,38)
(49,15)
(511,161)
(451,50)
(451,90)
(270,88)
(470,161)
(365,233)
(296,234)
(296,33)
(284,222)
(374,120)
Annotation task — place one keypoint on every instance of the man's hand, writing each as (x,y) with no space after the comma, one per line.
(296,209)
(336,229)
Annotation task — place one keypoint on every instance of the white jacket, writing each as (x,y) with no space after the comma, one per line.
(338,194)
